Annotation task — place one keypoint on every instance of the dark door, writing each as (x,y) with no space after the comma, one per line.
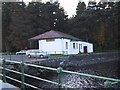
(85,49)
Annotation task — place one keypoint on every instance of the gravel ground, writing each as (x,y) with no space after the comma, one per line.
(103,64)
(100,69)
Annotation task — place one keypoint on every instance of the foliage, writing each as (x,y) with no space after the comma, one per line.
(96,23)
(21,22)
(57,56)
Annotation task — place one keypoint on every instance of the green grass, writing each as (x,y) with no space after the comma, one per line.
(57,55)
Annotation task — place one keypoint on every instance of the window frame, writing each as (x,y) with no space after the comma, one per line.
(76,45)
(50,40)
(73,45)
(66,44)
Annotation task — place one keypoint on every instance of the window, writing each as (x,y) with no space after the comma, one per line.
(73,45)
(80,46)
(50,40)
(76,45)
(66,45)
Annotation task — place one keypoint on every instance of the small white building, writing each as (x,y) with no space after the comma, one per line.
(55,42)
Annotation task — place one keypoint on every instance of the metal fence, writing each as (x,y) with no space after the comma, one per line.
(108,82)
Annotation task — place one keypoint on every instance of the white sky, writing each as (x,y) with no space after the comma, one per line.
(68,5)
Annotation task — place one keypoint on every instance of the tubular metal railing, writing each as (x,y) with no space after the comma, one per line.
(107,84)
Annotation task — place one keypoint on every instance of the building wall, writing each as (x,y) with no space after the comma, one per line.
(50,46)
(74,47)
(58,46)
(64,46)
(89,46)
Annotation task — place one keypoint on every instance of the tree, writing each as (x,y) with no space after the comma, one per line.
(80,8)
(17,36)
(54,15)
(24,22)
(101,35)
(6,19)
(9,10)
(98,24)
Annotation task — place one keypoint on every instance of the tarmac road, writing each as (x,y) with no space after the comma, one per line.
(19,57)
(73,59)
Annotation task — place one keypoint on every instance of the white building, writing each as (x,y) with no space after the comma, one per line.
(55,42)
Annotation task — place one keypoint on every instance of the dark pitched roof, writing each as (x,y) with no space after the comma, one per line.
(53,34)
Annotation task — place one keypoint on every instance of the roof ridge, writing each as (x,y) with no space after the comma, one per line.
(53,34)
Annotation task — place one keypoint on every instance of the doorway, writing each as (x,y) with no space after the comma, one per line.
(85,49)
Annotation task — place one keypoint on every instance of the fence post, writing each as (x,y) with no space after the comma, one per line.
(36,55)
(107,84)
(22,75)
(4,71)
(59,71)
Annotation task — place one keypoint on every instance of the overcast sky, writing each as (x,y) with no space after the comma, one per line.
(69,6)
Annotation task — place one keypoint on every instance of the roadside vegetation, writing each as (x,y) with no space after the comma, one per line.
(58,56)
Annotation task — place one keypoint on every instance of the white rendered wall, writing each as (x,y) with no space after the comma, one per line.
(67,51)
(55,47)
(89,47)
(51,46)
(59,46)
(76,49)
